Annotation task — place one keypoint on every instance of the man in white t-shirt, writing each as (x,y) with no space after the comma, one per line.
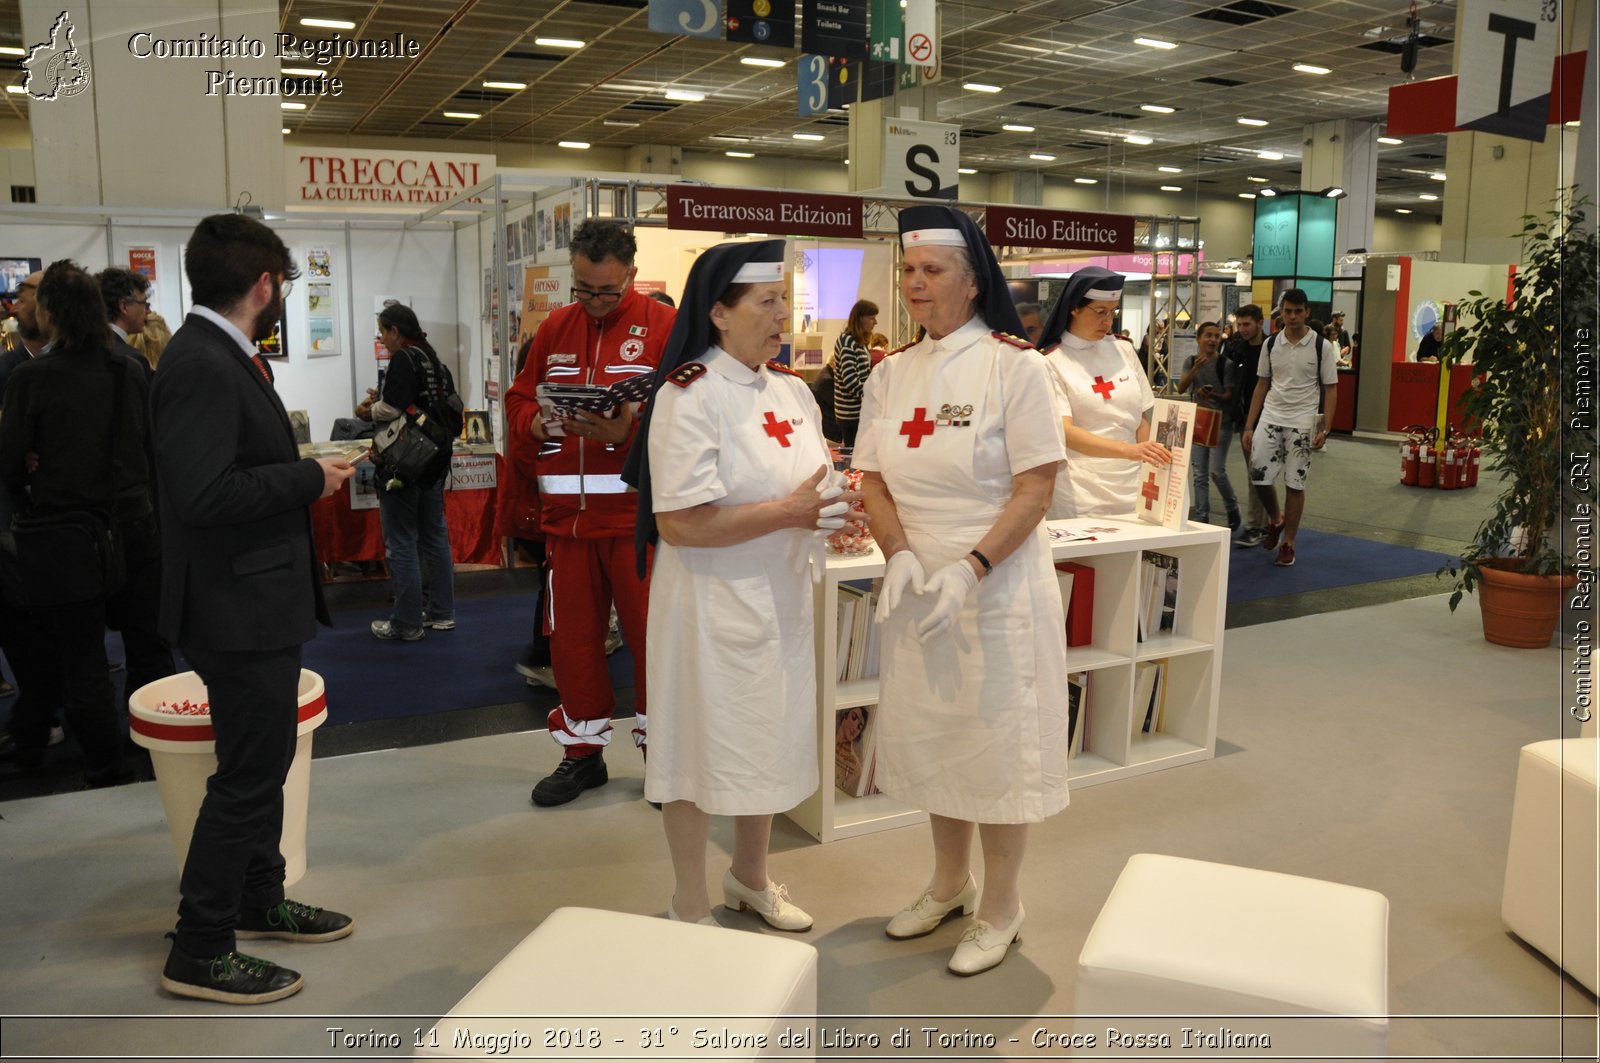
(1294,379)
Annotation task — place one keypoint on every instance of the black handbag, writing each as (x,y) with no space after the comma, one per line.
(74,556)
(409,450)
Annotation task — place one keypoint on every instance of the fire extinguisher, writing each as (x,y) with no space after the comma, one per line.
(1463,461)
(1449,471)
(1411,455)
(1474,459)
(1428,459)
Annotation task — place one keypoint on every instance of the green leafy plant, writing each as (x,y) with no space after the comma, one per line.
(1533,396)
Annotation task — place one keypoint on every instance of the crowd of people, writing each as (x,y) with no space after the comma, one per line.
(693,510)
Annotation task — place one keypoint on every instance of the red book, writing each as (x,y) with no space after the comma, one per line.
(1080,611)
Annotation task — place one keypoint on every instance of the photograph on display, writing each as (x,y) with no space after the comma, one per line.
(319,262)
(300,421)
(527,235)
(13,271)
(321,333)
(563,224)
(513,241)
(273,346)
(476,427)
(142,260)
(549,223)
(541,231)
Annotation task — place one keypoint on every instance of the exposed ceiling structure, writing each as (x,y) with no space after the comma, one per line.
(1069,69)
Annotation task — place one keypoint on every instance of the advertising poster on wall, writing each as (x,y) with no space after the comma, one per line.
(544,289)
(142,260)
(322,336)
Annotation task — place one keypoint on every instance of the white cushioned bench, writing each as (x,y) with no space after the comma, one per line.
(585,969)
(1186,938)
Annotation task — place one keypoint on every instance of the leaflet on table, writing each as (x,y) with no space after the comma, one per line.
(1079,530)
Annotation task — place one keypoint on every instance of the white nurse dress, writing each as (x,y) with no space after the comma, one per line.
(1102,387)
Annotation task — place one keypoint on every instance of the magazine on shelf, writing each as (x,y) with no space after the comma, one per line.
(1149,696)
(1163,493)
(853,738)
(857,644)
(1077,711)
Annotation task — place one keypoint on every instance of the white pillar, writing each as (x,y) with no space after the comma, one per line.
(1344,153)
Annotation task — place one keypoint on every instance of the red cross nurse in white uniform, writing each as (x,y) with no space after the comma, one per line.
(959,446)
(1104,395)
(735,477)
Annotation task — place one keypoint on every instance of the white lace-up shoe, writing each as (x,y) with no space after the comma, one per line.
(772,903)
(983,946)
(925,916)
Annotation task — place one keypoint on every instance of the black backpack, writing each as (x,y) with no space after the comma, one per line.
(439,398)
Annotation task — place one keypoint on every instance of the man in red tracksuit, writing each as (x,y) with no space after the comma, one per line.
(609,334)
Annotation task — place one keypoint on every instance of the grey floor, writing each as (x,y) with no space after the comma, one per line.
(1374,745)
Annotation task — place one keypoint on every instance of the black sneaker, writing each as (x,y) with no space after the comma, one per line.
(572,777)
(1251,537)
(231,978)
(292,921)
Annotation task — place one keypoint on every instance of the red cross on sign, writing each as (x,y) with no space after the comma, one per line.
(917,427)
(777,429)
(1150,492)
(1104,387)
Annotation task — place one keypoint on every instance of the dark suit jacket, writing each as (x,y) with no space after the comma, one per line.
(238,568)
(128,350)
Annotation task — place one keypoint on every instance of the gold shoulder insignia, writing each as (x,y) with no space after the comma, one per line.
(778,367)
(687,374)
(902,347)
(1015,341)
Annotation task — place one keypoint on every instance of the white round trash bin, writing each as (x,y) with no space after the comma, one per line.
(171,718)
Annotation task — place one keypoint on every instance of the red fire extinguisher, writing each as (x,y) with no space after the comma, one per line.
(1474,459)
(1463,461)
(1411,455)
(1428,469)
(1449,470)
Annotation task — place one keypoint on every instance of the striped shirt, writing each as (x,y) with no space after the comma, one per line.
(851,364)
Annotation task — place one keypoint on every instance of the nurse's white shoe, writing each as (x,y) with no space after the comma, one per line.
(984,946)
(925,916)
(673,916)
(772,903)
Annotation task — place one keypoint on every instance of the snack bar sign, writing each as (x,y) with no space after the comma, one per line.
(745,210)
(1069,229)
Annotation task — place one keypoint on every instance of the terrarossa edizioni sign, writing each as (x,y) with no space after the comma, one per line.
(1073,230)
(749,210)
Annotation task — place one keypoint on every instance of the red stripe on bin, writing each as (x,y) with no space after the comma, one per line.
(172,732)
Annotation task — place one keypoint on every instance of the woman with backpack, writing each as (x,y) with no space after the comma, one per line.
(414,529)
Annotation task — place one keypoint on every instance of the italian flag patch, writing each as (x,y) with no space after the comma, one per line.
(638,330)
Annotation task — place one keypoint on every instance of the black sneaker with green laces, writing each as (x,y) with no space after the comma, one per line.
(231,978)
(292,921)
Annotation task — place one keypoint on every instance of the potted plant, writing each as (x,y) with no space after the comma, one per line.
(1529,355)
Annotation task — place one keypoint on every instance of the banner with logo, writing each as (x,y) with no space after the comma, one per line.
(921,159)
(740,210)
(762,22)
(687,18)
(834,28)
(1510,45)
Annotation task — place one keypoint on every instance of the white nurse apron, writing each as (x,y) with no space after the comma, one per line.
(973,722)
(731,670)
(1107,392)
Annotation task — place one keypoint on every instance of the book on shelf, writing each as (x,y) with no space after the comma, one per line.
(857,645)
(1149,696)
(1080,603)
(853,740)
(1077,711)
(1163,605)
(1163,493)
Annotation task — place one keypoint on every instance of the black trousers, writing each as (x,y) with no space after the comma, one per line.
(233,856)
(35,661)
(134,611)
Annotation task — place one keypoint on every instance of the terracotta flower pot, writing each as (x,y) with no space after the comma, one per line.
(1520,610)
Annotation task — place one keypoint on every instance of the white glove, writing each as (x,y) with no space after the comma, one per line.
(831,518)
(903,571)
(814,556)
(951,585)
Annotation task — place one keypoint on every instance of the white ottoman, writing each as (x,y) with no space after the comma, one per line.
(587,982)
(1551,897)
(1181,939)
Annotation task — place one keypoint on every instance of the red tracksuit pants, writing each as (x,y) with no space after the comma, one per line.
(586,577)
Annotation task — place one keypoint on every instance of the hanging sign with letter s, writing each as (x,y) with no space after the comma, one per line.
(921,159)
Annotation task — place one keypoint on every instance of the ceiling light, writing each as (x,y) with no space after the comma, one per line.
(8,50)
(303,72)
(1269,191)
(965,169)
(1085,181)
(328,23)
(300,107)
(1312,68)
(1039,156)
(514,86)
(285,130)
(1257,180)
(1428,197)
(1390,140)
(557,42)
(978,86)
(1172,188)
(730,139)
(756,60)
(15,88)
(1247,195)
(618,123)
(1402,210)
(808,136)
(1152,42)
(1270,156)
(1253,121)
(740,154)
(1437,175)
(1012,127)
(1170,169)
(1574,124)
(455,114)
(685,95)
(1333,192)
(1156,108)
(1135,138)
(577,145)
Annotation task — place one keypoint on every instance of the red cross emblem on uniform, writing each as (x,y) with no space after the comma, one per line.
(1150,492)
(777,429)
(1104,387)
(917,427)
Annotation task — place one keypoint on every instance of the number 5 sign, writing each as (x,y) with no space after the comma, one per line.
(921,159)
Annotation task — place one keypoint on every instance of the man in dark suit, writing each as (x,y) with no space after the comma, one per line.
(240,595)
(127,296)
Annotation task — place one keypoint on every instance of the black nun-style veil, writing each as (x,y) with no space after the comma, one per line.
(711,275)
(940,225)
(1090,282)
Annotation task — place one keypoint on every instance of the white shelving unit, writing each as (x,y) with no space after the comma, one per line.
(1114,748)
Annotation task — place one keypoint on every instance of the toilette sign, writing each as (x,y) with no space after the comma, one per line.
(357,177)
(748,210)
(1069,229)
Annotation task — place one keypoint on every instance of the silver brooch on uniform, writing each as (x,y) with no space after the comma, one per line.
(956,416)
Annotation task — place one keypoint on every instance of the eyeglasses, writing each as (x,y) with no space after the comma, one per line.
(140,302)
(288,286)
(601,295)
(26,287)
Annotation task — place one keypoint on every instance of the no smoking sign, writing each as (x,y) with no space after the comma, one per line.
(919,47)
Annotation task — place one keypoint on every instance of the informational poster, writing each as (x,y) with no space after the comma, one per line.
(322,334)
(544,289)
(142,260)
(834,28)
(1163,495)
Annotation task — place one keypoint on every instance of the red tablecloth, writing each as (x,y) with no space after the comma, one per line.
(345,534)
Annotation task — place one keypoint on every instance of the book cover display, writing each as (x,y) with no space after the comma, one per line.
(1163,496)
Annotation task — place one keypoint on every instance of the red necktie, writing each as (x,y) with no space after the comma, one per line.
(261,364)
